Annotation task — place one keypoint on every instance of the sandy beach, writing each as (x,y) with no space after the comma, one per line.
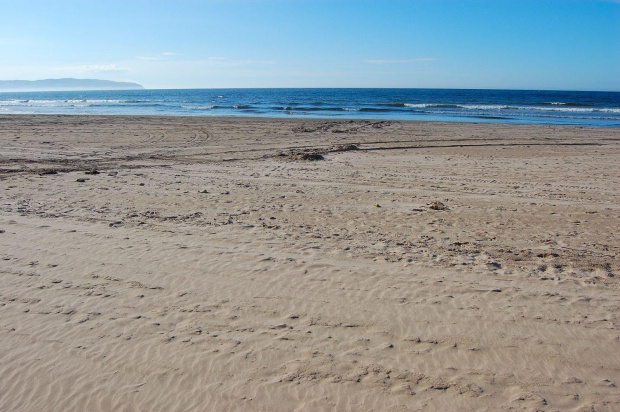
(247,264)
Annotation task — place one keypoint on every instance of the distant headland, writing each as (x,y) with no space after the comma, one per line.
(65,84)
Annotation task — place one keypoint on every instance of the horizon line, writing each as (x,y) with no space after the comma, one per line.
(301,88)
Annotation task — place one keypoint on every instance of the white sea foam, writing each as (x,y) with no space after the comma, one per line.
(61,103)
(9,102)
(559,107)
(575,109)
(197,107)
(485,107)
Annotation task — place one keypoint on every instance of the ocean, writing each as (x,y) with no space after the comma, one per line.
(596,109)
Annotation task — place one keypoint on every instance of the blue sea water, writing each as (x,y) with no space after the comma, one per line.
(597,109)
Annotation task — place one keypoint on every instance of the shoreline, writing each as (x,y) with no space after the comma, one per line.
(164,262)
(468,121)
(293,119)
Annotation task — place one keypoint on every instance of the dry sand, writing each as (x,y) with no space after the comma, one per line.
(210,266)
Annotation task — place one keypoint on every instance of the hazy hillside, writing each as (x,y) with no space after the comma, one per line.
(65,84)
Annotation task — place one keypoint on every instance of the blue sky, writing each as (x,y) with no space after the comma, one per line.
(515,44)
